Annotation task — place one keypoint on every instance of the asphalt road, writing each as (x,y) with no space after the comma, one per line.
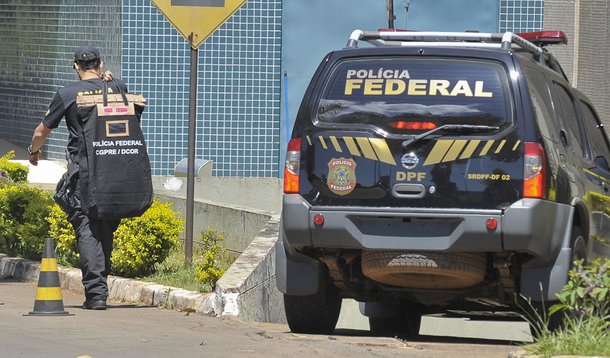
(127,330)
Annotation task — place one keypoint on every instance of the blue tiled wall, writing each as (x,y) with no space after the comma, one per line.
(238,89)
(37,44)
(521,15)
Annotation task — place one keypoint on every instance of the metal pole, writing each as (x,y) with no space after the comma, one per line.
(407,3)
(391,16)
(287,109)
(190,174)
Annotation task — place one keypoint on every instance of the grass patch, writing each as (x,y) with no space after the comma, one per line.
(579,336)
(174,272)
(208,264)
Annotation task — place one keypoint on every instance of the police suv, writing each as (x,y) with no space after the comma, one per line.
(435,169)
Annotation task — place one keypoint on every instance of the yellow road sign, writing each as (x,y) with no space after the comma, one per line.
(196,20)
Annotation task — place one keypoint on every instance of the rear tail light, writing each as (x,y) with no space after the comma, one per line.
(291,170)
(412,125)
(534,171)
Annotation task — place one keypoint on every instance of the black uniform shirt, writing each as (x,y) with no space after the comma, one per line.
(64,104)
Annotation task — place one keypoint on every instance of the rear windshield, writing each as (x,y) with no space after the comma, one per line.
(385,93)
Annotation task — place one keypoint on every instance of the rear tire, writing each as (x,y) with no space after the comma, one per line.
(313,314)
(578,246)
(406,322)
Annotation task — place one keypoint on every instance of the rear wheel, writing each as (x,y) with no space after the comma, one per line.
(314,314)
(406,322)
(579,246)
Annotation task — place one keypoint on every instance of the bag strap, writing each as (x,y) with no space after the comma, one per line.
(105,92)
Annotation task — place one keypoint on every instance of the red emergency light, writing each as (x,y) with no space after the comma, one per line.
(543,38)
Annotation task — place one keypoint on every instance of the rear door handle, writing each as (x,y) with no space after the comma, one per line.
(409,191)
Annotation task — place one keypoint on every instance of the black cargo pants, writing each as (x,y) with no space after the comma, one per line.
(94,238)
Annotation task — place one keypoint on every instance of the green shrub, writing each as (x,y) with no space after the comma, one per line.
(18,173)
(142,242)
(209,266)
(4,178)
(23,227)
(62,233)
(587,293)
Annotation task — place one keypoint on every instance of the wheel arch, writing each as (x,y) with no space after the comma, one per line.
(581,217)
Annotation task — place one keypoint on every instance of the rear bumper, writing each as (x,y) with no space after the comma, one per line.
(531,226)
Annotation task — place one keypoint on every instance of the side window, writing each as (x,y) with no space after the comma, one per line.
(541,101)
(599,145)
(566,105)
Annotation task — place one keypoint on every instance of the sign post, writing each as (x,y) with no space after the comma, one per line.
(196,20)
(190,174)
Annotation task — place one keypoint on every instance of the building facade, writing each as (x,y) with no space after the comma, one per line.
(252,71)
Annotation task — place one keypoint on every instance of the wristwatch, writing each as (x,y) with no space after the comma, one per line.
(32,153)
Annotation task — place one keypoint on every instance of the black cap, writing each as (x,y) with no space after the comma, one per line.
(86,53)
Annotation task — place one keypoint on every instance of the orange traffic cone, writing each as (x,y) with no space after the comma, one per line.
(49,301)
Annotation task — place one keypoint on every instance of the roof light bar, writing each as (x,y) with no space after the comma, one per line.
(459,39)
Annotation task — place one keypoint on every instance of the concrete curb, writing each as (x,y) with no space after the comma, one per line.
(248,290)
(19,269)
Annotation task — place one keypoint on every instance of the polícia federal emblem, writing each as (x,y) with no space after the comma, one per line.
(341,176)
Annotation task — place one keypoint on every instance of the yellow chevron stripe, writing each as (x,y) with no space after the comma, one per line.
(500,146)
(48,294)
(335,143)
(438,152)
(486,148)
(366,148)
(470,148)
(381,149)
(454,150)
(516,145)
(323,142)
(597,176)
(309,141)
(48,264)
(351,146)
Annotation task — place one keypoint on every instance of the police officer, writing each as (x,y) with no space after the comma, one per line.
(94,236)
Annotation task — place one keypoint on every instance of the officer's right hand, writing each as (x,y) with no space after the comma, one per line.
(107,76)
